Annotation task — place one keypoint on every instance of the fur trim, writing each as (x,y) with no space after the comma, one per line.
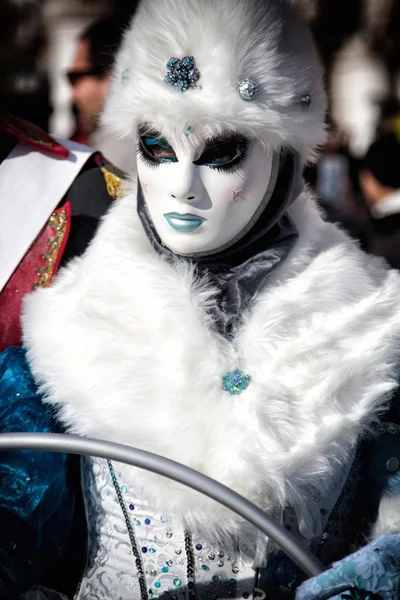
(230,40)
(388,520)
(125,350)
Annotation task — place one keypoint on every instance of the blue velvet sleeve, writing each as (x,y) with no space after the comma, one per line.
(36,505)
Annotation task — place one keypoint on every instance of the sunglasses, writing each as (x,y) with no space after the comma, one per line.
(74,76)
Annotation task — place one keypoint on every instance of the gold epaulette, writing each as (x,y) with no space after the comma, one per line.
(115,178)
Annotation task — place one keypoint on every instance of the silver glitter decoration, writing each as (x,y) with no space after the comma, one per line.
(169,563)
(248,89)
(235,570)
(178,551)
(153,572)
(221,563)
(211,556)
(221,554)
(169,534)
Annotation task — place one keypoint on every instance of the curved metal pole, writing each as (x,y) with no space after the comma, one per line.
(168,468)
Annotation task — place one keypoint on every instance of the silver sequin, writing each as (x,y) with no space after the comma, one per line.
(248,89)
(305,101)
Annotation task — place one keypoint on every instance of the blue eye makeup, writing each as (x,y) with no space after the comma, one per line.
(154,149)
(224,152)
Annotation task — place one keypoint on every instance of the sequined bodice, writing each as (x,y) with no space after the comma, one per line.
(140,554)
(137,553)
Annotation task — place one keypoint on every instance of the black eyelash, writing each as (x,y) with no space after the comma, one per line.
(242,142)
(230,167)
(145,156)
(234,164)
(148,157)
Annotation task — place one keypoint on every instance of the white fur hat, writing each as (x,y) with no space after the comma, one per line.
(230,40)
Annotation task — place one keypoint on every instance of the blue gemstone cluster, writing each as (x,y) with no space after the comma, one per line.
(235,382)
(182,73)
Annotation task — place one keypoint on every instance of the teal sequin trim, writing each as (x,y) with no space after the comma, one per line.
(235,382)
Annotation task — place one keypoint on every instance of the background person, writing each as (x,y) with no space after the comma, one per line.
(89,76)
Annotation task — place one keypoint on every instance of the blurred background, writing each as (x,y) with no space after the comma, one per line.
(56,57)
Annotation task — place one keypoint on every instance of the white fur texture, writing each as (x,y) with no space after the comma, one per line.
(125,350)
(230,40)
(388,520)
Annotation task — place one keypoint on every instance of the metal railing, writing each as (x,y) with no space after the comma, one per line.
(71,444)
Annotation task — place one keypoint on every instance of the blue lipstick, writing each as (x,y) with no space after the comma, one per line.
(185,223)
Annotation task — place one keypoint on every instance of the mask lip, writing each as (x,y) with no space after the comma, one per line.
(276,160)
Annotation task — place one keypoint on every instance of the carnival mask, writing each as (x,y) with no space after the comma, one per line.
(203,197)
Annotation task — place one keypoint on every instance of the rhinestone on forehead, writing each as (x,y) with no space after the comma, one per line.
(248,89)
(305,101)
(182,73)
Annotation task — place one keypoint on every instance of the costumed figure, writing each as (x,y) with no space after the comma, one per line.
(216,319)
(52,195)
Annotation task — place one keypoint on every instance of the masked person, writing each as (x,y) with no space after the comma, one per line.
(216,319)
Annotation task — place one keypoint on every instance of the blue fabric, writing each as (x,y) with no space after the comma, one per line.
(372,573)
(36,504)
(25,476)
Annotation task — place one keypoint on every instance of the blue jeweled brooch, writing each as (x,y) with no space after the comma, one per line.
(182,73)
(235,382)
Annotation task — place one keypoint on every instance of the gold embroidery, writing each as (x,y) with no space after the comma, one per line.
(58,222)
(114,183)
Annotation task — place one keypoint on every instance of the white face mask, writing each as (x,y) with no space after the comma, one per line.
(203,199)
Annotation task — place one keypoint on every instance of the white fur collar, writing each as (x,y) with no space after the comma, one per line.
(125,349)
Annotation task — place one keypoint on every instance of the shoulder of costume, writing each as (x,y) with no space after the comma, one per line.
(65,213)
(97,186)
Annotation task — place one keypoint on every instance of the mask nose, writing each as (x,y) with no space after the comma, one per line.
(183,188)
(188,198)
